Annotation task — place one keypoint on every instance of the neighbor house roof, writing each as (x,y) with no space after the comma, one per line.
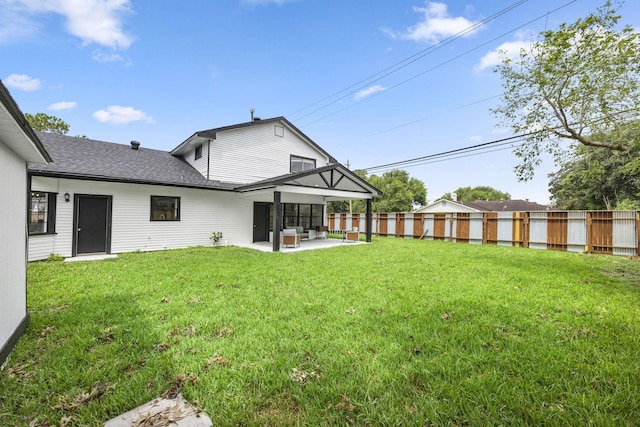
(82,158)
(443,205)
(505,206)
(211,134)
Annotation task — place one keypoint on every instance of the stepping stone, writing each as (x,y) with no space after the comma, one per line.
(162,412)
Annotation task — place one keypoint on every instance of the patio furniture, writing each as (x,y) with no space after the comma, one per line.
(290,237)
(351,236)
(303,234)
(323,230)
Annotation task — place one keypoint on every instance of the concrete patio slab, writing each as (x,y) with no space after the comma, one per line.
(305,245)
(96,257)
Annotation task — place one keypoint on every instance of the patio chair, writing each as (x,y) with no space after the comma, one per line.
(351,236)
(290,237)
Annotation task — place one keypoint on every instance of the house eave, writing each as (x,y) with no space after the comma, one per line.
(100,178)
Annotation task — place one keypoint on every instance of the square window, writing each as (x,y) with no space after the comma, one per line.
(42,212)
(165,208)
(278,131)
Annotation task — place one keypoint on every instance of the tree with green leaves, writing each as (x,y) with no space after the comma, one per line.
(400,193)
(45,123)
(577,82)
(597,178)
(480,192)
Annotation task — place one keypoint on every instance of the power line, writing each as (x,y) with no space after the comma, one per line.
(471,148)
(404,63)
(428,70)
(483,148)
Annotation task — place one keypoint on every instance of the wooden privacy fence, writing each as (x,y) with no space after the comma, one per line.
(597,232)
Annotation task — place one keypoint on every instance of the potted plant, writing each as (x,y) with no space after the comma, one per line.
(215,237)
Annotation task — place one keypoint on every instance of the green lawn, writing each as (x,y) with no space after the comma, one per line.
(396,332)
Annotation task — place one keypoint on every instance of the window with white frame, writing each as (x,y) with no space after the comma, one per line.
(301,164)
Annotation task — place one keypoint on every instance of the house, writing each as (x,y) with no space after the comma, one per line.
(244,180)
(19,145)
(447,206)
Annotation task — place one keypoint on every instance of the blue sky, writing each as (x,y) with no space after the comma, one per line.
(158,71)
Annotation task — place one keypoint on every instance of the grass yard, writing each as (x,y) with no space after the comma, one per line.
(394,333)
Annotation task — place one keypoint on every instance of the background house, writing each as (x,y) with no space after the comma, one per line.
(446,206)
(101,197)
(19,145)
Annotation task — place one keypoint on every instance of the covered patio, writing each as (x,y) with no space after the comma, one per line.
(328,183)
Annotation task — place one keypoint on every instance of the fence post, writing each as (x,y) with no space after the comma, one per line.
(587,246)
(638,232)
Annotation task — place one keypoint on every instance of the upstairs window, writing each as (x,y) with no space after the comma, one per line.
(300,164)
(198,152)
(42,213)
(165,208)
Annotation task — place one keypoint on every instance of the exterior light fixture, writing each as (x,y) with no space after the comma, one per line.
(66,197)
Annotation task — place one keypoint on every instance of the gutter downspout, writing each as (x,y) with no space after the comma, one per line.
(208,158)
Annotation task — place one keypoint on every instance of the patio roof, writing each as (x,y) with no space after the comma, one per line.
(334,181)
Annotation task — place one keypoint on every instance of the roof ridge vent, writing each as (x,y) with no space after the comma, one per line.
(135,145)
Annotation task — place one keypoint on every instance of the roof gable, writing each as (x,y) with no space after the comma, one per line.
(209,134)
(334,177)
(16,133)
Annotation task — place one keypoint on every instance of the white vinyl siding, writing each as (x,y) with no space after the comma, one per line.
(13,214)
(255,153)
(201,213)
(199,164)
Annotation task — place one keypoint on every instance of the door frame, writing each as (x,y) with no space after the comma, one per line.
(256,211)
(74,231)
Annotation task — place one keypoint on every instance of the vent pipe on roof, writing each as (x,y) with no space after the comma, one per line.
(135,145)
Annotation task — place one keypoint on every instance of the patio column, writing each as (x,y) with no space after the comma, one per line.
(368,222)
(277,221)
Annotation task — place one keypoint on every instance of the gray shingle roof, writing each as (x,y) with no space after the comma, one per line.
(105,161)
(505,206)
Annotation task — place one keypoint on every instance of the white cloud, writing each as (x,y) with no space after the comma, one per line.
(94,21)
(475,138)
(64,105)
(436,25)
(511,49)
(22,82)
(101,56)
(119,115)
(368,92)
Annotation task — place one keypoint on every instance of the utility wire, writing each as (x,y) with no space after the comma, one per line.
(482,148)
(430,69)
(404,63)
(476,147)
